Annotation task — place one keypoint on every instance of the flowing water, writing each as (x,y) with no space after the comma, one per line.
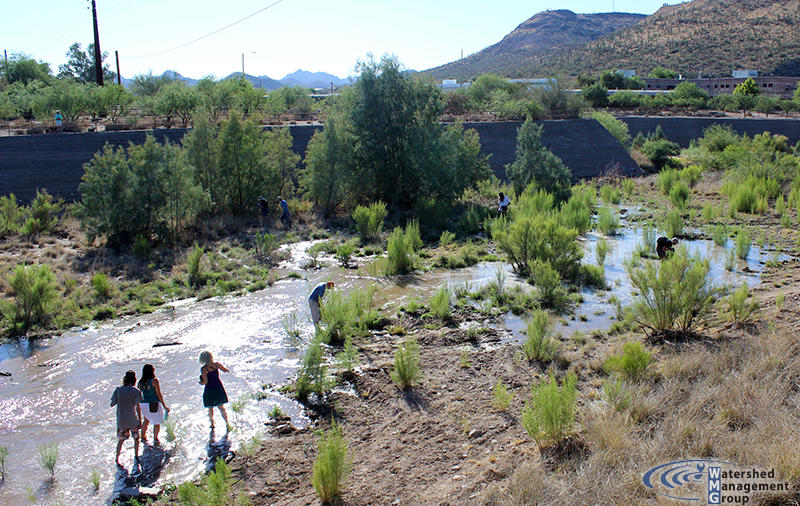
(59,389)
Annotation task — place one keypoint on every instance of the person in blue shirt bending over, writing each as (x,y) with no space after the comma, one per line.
(285,217)
(313,301)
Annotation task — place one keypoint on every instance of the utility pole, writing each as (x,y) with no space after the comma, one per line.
(98,59)
(119,77)
(5,55)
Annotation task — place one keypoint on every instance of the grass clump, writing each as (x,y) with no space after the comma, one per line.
(673,294)
(94,480)
(102,286)
(406,364)
(3,456)
(332,466)
(401,248)
(616,395)
(719,234)
(369,221)
(501,397)
(215,488)
(739,310)
(673,224)
(46,456)
(194,267)
(446,239)
(34,297)
(171,428)
(548,282)
(647,244)
(346,316)
(265,245)
(743,242)
(679,196)
(601,251)
(609,194)
(628,186)
(667,179)
(313,375)
(607,221)
(632,363)
(538,344)
(440,303)
(275,412)
(550,415)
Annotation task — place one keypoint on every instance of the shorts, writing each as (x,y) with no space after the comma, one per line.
(123,434)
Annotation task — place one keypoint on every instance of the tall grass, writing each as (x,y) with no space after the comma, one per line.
(628,186)
(332,466)
(266,245)
(440,302)
(577,213)
(34,293)
(47,455)
(679,196)
(673,224)
(215,488)
(672,294)
(719,234)
(667,179)
(739,309)
(313,374)
(3,456)
(647,244)
(631,363)
(548,281)
(94,480)
(601,251)
(607,221)
(194,268)
(538,344)
(743,243)
(609,194)
(550,415)
(406,364)
(615,394)
(501,397)
(102,285)
(346,315)
(369,221)
(446,239)
(400,251)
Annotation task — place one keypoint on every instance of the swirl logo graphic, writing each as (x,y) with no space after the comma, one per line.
(668,479)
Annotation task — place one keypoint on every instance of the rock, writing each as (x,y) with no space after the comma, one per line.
(161,345)
(475,433)
(5,373)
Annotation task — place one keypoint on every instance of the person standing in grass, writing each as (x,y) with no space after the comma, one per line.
(129,415)
(263,208)
(285,216)
(502,203)
(313,301)
(152,402)
(214,395)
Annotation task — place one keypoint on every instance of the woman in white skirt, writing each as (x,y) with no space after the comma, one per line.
(153,406)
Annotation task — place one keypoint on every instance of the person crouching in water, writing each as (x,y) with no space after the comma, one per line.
(502,203)
(665,247)
(314,299)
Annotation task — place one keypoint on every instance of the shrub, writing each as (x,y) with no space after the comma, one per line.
(34,296)
(672,294)
(739,310)
(667,179)
(265,245)
(406,364)
(615,394)
(413,235)
(346,317)
(446,238)
(659,151)
(369,220)
(679,195)
(141,248)
(594,275)
(607,221)
(631,363)
(47,455)
(673,224)
(743,243)
(332,466)
(628,186)
(343,253)
(609,194)
(551,413)
(527,239)
(575,213)
(692,174)
(102,285)
(12,215)
(194,268)
(601,251)
(708,212)
(440,303)
(275,412)
(538,344)
(647,244)
(400,252)
(216,488)
(43,210)
(347,359)
(170,426)
(501,397)
(730,261)
(548,281)
(780,205)
(313,374)
(719,234)
(3,456)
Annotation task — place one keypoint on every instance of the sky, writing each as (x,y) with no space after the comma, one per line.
(314,35)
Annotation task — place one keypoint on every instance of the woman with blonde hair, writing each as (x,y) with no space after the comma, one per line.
(214,395)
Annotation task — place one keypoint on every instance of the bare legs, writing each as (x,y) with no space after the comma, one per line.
(145,424)
(222,412)
(135,446)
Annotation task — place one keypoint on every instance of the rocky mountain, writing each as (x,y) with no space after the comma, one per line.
(263,82)
(546,31)
(313,79)
(710,37)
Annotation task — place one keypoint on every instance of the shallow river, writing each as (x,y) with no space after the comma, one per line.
(59,389)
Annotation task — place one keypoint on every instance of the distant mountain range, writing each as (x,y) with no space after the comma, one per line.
(711,37)
(302,78)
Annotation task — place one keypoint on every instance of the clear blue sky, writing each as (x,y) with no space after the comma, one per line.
(312,35)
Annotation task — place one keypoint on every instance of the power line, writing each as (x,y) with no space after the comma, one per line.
(206,35)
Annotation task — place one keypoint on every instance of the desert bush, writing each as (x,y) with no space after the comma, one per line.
(628,186)
(538,344)
(12,215)
(313,374)
(43,210)
(102,285)
(194,268)
(667,179)
(692,174)
(548,281)
(607,221)
(343,253)
(609,194)
(406,364)
(446,238)
(615,394)
(673,224)
(501,397)
(346,316)
(719,234)
(440,302)
(141,248)
(34,296)
(575,213)
(400,251)
(679,195)
(47,455)
(659,151)
(672,294)
(647,244)
(601,251)
(631,363)
(550,415)
(215,488)
(526,239)
(593,275)
(369,220)
(332,466)
(743,243)
(739,310)
(266,245)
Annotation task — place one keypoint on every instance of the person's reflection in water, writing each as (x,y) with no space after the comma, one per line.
(217,449)
(153,460)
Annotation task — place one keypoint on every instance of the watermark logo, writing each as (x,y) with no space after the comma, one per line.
(712,481)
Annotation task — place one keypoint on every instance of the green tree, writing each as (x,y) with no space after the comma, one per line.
(184,198)
(280,158)
(329,166)
(24,69)
(659,151)
(80,65)
(200,144)
(537,164)
(293,99)
(748,87)
(217,97)
(176,99)
(72,99)
(147,85)
(689,95)
(612,80)
(116,100)
(765,104)
(662,73)
(596,95)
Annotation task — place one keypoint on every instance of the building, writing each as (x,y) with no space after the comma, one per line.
(772,86)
